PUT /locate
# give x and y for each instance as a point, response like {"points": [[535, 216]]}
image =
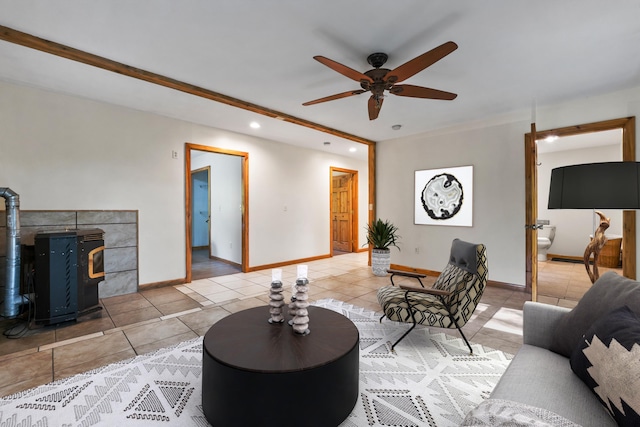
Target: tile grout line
{"points": [[86, 337], [70, 341]]}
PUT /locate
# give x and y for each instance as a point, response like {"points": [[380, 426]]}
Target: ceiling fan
{"points": [[379, 80]]}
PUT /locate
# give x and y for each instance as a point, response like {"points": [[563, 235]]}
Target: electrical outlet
{"points": [[285, 208], [174, 154], [417, 250]]}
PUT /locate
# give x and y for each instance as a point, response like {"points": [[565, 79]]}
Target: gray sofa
{"points": [[539, 377], [543, 381]]}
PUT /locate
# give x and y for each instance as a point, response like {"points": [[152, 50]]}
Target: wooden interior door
{"points": [[342, 212]]}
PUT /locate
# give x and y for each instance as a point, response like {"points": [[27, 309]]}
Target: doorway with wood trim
{"points": [[344, 210], [627, 125], [227, 215]]}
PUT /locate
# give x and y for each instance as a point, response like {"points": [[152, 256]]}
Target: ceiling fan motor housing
{"points": [[379, 84], [378, 59]]}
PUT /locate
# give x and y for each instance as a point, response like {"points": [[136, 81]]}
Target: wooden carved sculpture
{"points": [[595, 246]]}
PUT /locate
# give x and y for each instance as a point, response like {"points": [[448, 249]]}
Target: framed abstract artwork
{"points": [[444, 196]]}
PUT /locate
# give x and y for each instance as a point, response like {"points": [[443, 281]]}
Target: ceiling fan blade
{"points": [[375, 105], [419, 63], [422, 92], [336, 96], [343, 69]]}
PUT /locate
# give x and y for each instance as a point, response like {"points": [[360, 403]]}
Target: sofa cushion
{"points": [[609, 292], [544, 379], [608, 362]]}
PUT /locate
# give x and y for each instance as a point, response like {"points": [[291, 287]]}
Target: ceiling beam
{"points": [[17, 37]]}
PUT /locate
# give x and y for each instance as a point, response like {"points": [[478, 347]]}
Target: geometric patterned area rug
{"points": [[431, 380]]}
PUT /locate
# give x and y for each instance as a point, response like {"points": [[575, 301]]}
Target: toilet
{"points": [[545, 239]]}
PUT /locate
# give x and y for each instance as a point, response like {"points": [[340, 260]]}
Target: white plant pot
{"points": [[380, 261]]}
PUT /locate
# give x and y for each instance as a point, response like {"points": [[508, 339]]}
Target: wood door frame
{"points": [[189, 194], [628, 127], [354, 205], [208, 169]]}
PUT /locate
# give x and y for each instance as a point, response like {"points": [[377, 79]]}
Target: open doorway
{"points": [[201, 209], [344, 211], [627, 126], [216, 208], [563, 234]]}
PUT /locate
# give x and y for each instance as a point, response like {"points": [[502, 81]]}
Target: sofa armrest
{"points": [[539, 323]]}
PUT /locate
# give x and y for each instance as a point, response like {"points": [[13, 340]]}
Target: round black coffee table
{"points": [[258, 374]]}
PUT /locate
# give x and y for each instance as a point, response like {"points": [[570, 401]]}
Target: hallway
{"points": [[203, 267]]}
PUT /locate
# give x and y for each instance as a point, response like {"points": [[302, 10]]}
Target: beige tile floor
{"points": [[135, 324], [564, 283]]}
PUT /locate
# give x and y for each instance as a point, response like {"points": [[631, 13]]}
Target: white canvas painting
{"points": [[444, 196]]}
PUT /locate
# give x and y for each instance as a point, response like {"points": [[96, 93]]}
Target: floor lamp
{"points": [[608, 185]]}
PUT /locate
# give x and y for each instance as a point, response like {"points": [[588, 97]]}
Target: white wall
{"points": [[574, 226], [51, 143], [64, 152], [495, 149], [498, 211]]}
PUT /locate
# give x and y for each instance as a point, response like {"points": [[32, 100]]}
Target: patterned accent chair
{"points": [[452, 299]]}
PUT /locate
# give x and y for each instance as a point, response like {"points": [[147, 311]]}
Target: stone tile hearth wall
{"points": [[120, 241]]}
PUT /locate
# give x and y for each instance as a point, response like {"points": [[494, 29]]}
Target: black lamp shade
{"points": [[608, 185]]}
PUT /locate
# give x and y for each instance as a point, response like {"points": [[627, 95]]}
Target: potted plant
{"points": [[381, 235]]}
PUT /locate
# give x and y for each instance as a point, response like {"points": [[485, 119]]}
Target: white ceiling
{"points": [[511, 54], [581, 141]]}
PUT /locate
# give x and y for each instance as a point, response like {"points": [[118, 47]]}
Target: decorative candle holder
{"points": [[292, 309], [301, 319], [276, 299], [301, 273]]}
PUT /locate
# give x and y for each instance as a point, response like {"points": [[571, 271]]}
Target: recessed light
{"points": [[551, 138], [326, 143], [255, 125], [352, 150], [396, 127]]}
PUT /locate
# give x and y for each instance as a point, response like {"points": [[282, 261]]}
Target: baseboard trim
{"points": [[226, 261], [285, 263], [433, 273], [569, 257], [162, 284]]}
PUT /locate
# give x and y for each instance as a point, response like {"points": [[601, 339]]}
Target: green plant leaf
{"points": [[382, 234]]}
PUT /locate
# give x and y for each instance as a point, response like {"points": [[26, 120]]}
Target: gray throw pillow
{"points": [[609, 292]]}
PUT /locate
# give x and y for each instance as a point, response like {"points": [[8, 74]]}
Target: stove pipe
{"points": [[12, 298]]}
